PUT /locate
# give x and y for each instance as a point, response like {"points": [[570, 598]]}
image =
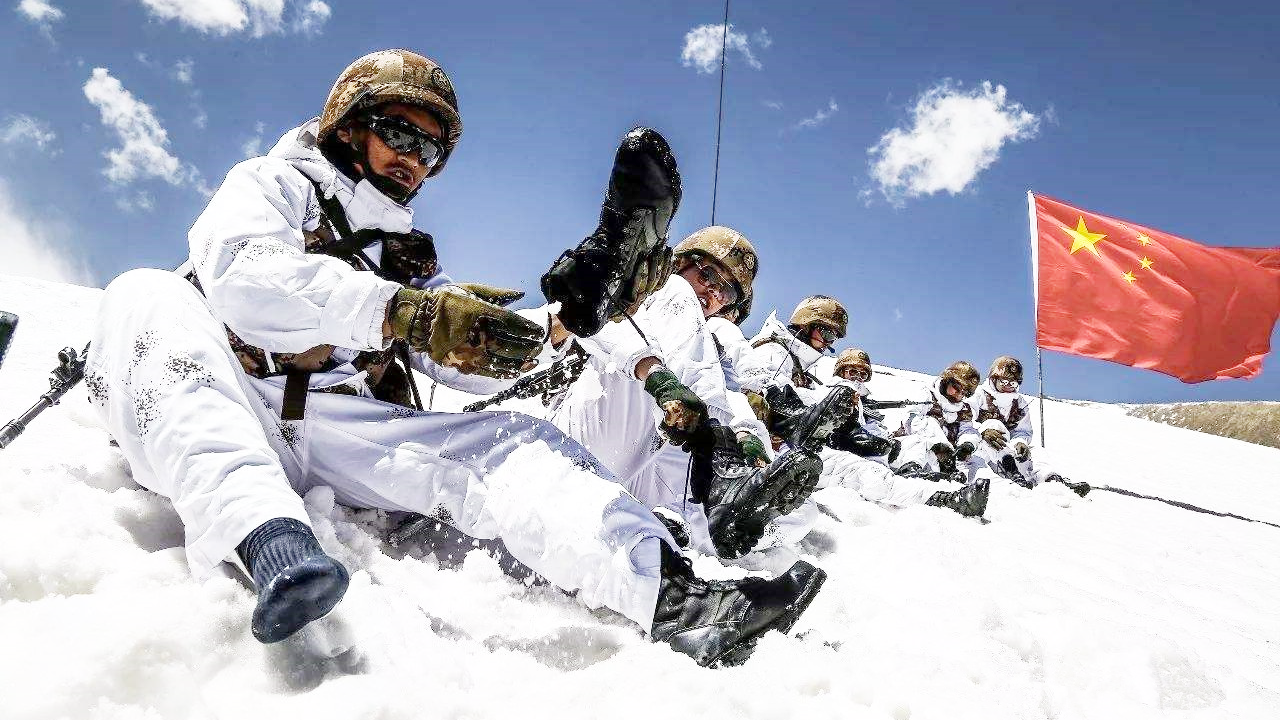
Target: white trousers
{"points": [[196, 429], [875, 482], [1036, 470]]}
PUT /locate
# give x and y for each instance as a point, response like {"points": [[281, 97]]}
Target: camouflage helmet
{"points": [[1006, 366], [389, 76], [964, 374], [853, 358], [734, 252], [821, 310]]}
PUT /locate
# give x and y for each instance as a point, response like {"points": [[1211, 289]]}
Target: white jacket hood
{"points": [[1003, 400], [949, 409], [365, 206]]}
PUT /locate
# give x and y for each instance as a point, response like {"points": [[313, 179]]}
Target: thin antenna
{"points": [[715, 178]]}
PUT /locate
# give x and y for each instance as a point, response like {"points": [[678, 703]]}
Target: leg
{"points": [[161, 374], [493, 475]]}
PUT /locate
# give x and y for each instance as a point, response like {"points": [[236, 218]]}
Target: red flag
{"points": [[1119, 291]]}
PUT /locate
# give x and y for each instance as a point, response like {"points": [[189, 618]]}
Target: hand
{"points": [[964, 451], [1022, 452], [759, 406], [994, 438], [683, 410], [463, 326], [752, 449]]}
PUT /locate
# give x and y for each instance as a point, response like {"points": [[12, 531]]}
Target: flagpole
{"points": [[1035, 295]]}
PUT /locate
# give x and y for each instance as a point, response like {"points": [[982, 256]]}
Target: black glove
{"points": [[752, 450], [994, 438], [409, 256], [946, 457], [626, 259], [964, 451], [463, 326], [684, 410]]}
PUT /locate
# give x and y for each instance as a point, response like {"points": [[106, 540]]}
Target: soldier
{"points": [[1004, 423], [788, 354], [275, 371], [693, 461]]}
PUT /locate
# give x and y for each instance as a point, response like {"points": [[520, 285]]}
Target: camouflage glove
{"points": [[964, 451], [1022, 452], [752, 450], [684, 410], [759, 406], [994, 438], [626, 259], [463, 326]]}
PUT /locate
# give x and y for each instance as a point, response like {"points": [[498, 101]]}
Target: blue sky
{"points": [[1163, 113]]}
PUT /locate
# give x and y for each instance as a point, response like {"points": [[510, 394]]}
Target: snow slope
{"points": [[1107, 607]]}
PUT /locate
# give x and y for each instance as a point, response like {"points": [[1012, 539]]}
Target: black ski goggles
{"points": [[719, 286], [828, 335], [406, 138], [1005, 384]]}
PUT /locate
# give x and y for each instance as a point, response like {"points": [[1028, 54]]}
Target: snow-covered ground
{"points": [[1106, 607]]}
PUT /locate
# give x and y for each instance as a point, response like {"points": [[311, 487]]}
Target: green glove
{"points": [[684, 410], [752, 450], [463, 326], [994, 438]]}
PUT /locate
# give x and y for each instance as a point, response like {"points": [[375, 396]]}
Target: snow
{"points": [[1059, 607]]}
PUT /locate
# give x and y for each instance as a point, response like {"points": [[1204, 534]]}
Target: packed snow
{"points": [[1058, 607]]}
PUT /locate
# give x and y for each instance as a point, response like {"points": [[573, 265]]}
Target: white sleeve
{"points": [[1023, 433], [769, 364], [248, 252], [619, 347]]}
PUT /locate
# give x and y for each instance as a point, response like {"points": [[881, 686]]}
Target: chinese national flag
{"points": [[1119, 291]]}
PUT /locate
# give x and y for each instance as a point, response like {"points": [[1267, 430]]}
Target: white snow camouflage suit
{"points": [[1009, 413], [608, 410], [196, 428]]}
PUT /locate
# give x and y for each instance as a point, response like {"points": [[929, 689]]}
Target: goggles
{"points": [[857, 374], [828, 335], [1005, 384], [406, 138], [711, 279]]}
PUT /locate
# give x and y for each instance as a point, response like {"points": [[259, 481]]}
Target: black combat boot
{"points": [[594, 282], [916, 470], [1079, 488], [853, 438], [296, 581], [809, 427], [719, 622], [741, 500], [1009, 470], [969, 501]]}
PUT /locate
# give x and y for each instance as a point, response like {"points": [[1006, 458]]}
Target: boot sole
{"points": [[835, 409], [301, 594], [785, 485], [741, 652]]}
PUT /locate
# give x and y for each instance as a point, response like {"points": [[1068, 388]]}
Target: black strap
{"points": [[294, 405]]}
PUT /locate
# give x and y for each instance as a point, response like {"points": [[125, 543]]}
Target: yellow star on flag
{"points": [[1130, 277], [1146, 263], [1144, 239], [1082, 238]]}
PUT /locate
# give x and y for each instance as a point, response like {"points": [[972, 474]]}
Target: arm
{"points": [[247, 250]]}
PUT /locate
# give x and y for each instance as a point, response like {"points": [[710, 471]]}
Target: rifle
{"points": [[68, 374], [869, 404], [562, 373]]}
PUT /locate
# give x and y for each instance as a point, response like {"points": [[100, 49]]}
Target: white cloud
{"points": [[256, 17], [702, 47], [40, 12], [954, 135], [311, 18], [26, 130], [140, 201], [201, 118], [818, 118], [772, 104], [762, 39], [253, 146], [182, 71], [144, 144], [897, 314], [32, 248]]}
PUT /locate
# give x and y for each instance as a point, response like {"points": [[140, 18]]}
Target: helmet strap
{"points": [[352, 159]]}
